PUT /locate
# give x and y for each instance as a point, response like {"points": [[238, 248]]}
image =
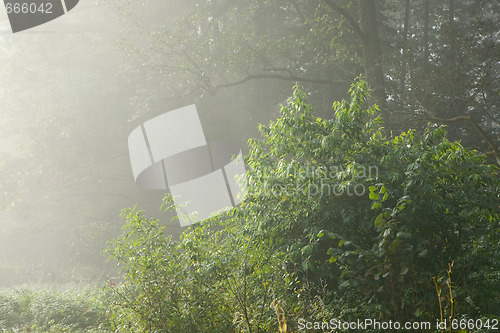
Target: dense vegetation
{"points": [[340, 221], [65, 161], [43, 308]]}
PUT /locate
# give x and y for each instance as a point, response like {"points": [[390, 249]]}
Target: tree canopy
{"points": [[426, 61]]}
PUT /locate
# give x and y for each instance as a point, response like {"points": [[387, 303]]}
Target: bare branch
{"points": [[483, 134], [250, 77], [354, 24]]}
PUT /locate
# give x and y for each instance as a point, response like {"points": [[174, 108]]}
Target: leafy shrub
{"points": [[372, 217], [340, 221], [210, 281]]}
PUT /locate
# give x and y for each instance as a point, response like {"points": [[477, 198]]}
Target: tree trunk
{"points": [[404, 47], [372, 53], [367, 31], [426, 37]]}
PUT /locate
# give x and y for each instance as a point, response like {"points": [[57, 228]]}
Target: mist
{"points": [[335, 84]]}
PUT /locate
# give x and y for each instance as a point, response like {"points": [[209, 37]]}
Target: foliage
{"points": [[210, 281], [440, 58], [375, 218], [43, 309], [340, 221]]}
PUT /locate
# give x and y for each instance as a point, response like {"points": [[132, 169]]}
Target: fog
{"points": [[71, 92], [370, 186], [50, 164], [73, 89], [66, 110]]}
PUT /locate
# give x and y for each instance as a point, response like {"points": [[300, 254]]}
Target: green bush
{"points": [[208, 282], [340, 222], [375, 217]]}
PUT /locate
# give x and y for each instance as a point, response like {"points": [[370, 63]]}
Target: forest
{"points": [[369, 132]]}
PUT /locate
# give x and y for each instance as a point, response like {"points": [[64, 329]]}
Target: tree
{"points": [[366, 29], [340, 221], [448, 52], [409, 52]]}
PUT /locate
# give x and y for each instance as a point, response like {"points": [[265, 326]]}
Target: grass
{"points": [[42, 308]]}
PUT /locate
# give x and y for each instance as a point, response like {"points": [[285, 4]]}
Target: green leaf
{"points": [[379, 221], [307, 250], [345, 284], [403, 235], [395, 244], [423, 253]]}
